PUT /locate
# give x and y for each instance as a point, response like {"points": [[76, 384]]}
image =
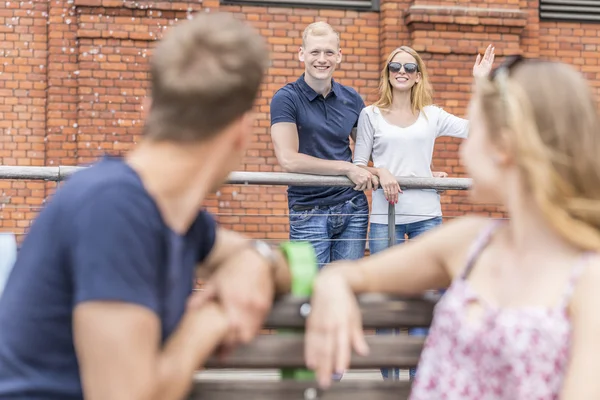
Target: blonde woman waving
{"points": [[398, 132]]}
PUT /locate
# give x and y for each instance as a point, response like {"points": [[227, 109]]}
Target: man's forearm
{"points": [[230, 244], [304, 164], [199, 333], [373, 170], [227, 244]]}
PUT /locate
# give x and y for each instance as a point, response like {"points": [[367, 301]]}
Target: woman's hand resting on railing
{"points": [[333, 328], [390, 185], [440, 174]]}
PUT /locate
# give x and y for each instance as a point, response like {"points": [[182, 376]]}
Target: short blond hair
{"points": [[205, 73], [319, 28]]}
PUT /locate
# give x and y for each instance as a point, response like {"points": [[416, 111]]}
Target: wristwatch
{"points": [[265, 251]]}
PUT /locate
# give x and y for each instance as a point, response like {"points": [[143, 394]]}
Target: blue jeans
{"points": [[337, 232], [378, 242]]}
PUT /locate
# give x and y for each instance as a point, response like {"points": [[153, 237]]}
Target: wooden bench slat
{"points": [[299, 390], [287, 351], [378, 311]]}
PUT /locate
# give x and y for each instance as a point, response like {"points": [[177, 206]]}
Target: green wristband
{"points": [[302, 262]]}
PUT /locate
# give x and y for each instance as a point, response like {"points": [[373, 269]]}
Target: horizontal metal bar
{"points": [[569, 16], [588, 10], [571, 3], [317, 3], [572, 10], [62, 172], [58, 173]]}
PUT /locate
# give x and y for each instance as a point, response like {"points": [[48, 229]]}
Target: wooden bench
{"points": [[286, 350]]}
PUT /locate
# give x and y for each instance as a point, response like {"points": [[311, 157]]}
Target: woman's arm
{"points": [[430, 261], [581, 381], [363, 152], [451, 125], [365, 133], [334, 325]]}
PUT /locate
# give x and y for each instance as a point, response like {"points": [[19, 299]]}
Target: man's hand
{"points": [[376, 182], [244, 286], [362, 178]]}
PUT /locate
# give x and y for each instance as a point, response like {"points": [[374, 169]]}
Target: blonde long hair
{"points": [[544, 114], [420, 94]]}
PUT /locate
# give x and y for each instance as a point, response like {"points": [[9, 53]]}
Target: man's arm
{"points": [[118, 278], [285, 142], [284, 134], [230, 244], [120, 356]]}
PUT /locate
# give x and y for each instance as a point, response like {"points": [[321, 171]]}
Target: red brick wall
{"points": [[73, 74]]}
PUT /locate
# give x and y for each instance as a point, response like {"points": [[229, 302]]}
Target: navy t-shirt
{"points": [[324, 126], [101, 237]]}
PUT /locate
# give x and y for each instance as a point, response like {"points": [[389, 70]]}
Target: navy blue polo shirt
{"points": [[100, 238], [324, 126]]}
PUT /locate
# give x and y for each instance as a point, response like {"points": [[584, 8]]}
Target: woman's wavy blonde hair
{"points": [[420, 94], [544, 114]]}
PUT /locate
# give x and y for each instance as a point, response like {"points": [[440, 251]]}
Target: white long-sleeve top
{"points": [[405, 152]]}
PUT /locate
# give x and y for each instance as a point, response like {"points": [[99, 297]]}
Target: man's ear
{"points": [[244, 131], [301, 54], [145, 107]]}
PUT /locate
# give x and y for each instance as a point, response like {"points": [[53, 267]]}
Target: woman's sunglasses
{"points": [[409, 68]]}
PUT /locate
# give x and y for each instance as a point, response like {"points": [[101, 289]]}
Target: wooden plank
{"points": [[287, 351], [378, 311], [300, 390]]}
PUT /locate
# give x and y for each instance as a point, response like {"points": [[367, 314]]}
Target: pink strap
{"points": [[576, 272], [481, 241]]}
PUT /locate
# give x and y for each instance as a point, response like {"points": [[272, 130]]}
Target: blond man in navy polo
{"points": [[312, 120]]}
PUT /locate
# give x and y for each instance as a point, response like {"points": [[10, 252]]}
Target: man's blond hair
{"points": [[319, 28], [205, 73]]}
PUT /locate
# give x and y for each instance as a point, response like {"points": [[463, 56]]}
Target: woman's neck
{"points": [[401, 102]]}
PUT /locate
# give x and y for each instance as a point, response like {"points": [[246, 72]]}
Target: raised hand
{"points": [[483, 65]]}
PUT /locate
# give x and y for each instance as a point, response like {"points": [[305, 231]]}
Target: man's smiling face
{"points": [[320, 54]]}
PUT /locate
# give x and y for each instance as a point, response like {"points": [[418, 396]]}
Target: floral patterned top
{"points": [[504, 354]]}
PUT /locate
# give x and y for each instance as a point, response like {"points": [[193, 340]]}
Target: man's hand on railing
{"points": [[363, 179], [333, 328]]}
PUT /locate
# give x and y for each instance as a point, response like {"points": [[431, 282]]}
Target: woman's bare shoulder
{"points": [[455, 238]]}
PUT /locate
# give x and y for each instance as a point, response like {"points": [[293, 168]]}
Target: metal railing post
{"points": [[391, 225]]}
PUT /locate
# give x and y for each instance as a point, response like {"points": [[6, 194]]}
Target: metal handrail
{"points": [[60, 173]]}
